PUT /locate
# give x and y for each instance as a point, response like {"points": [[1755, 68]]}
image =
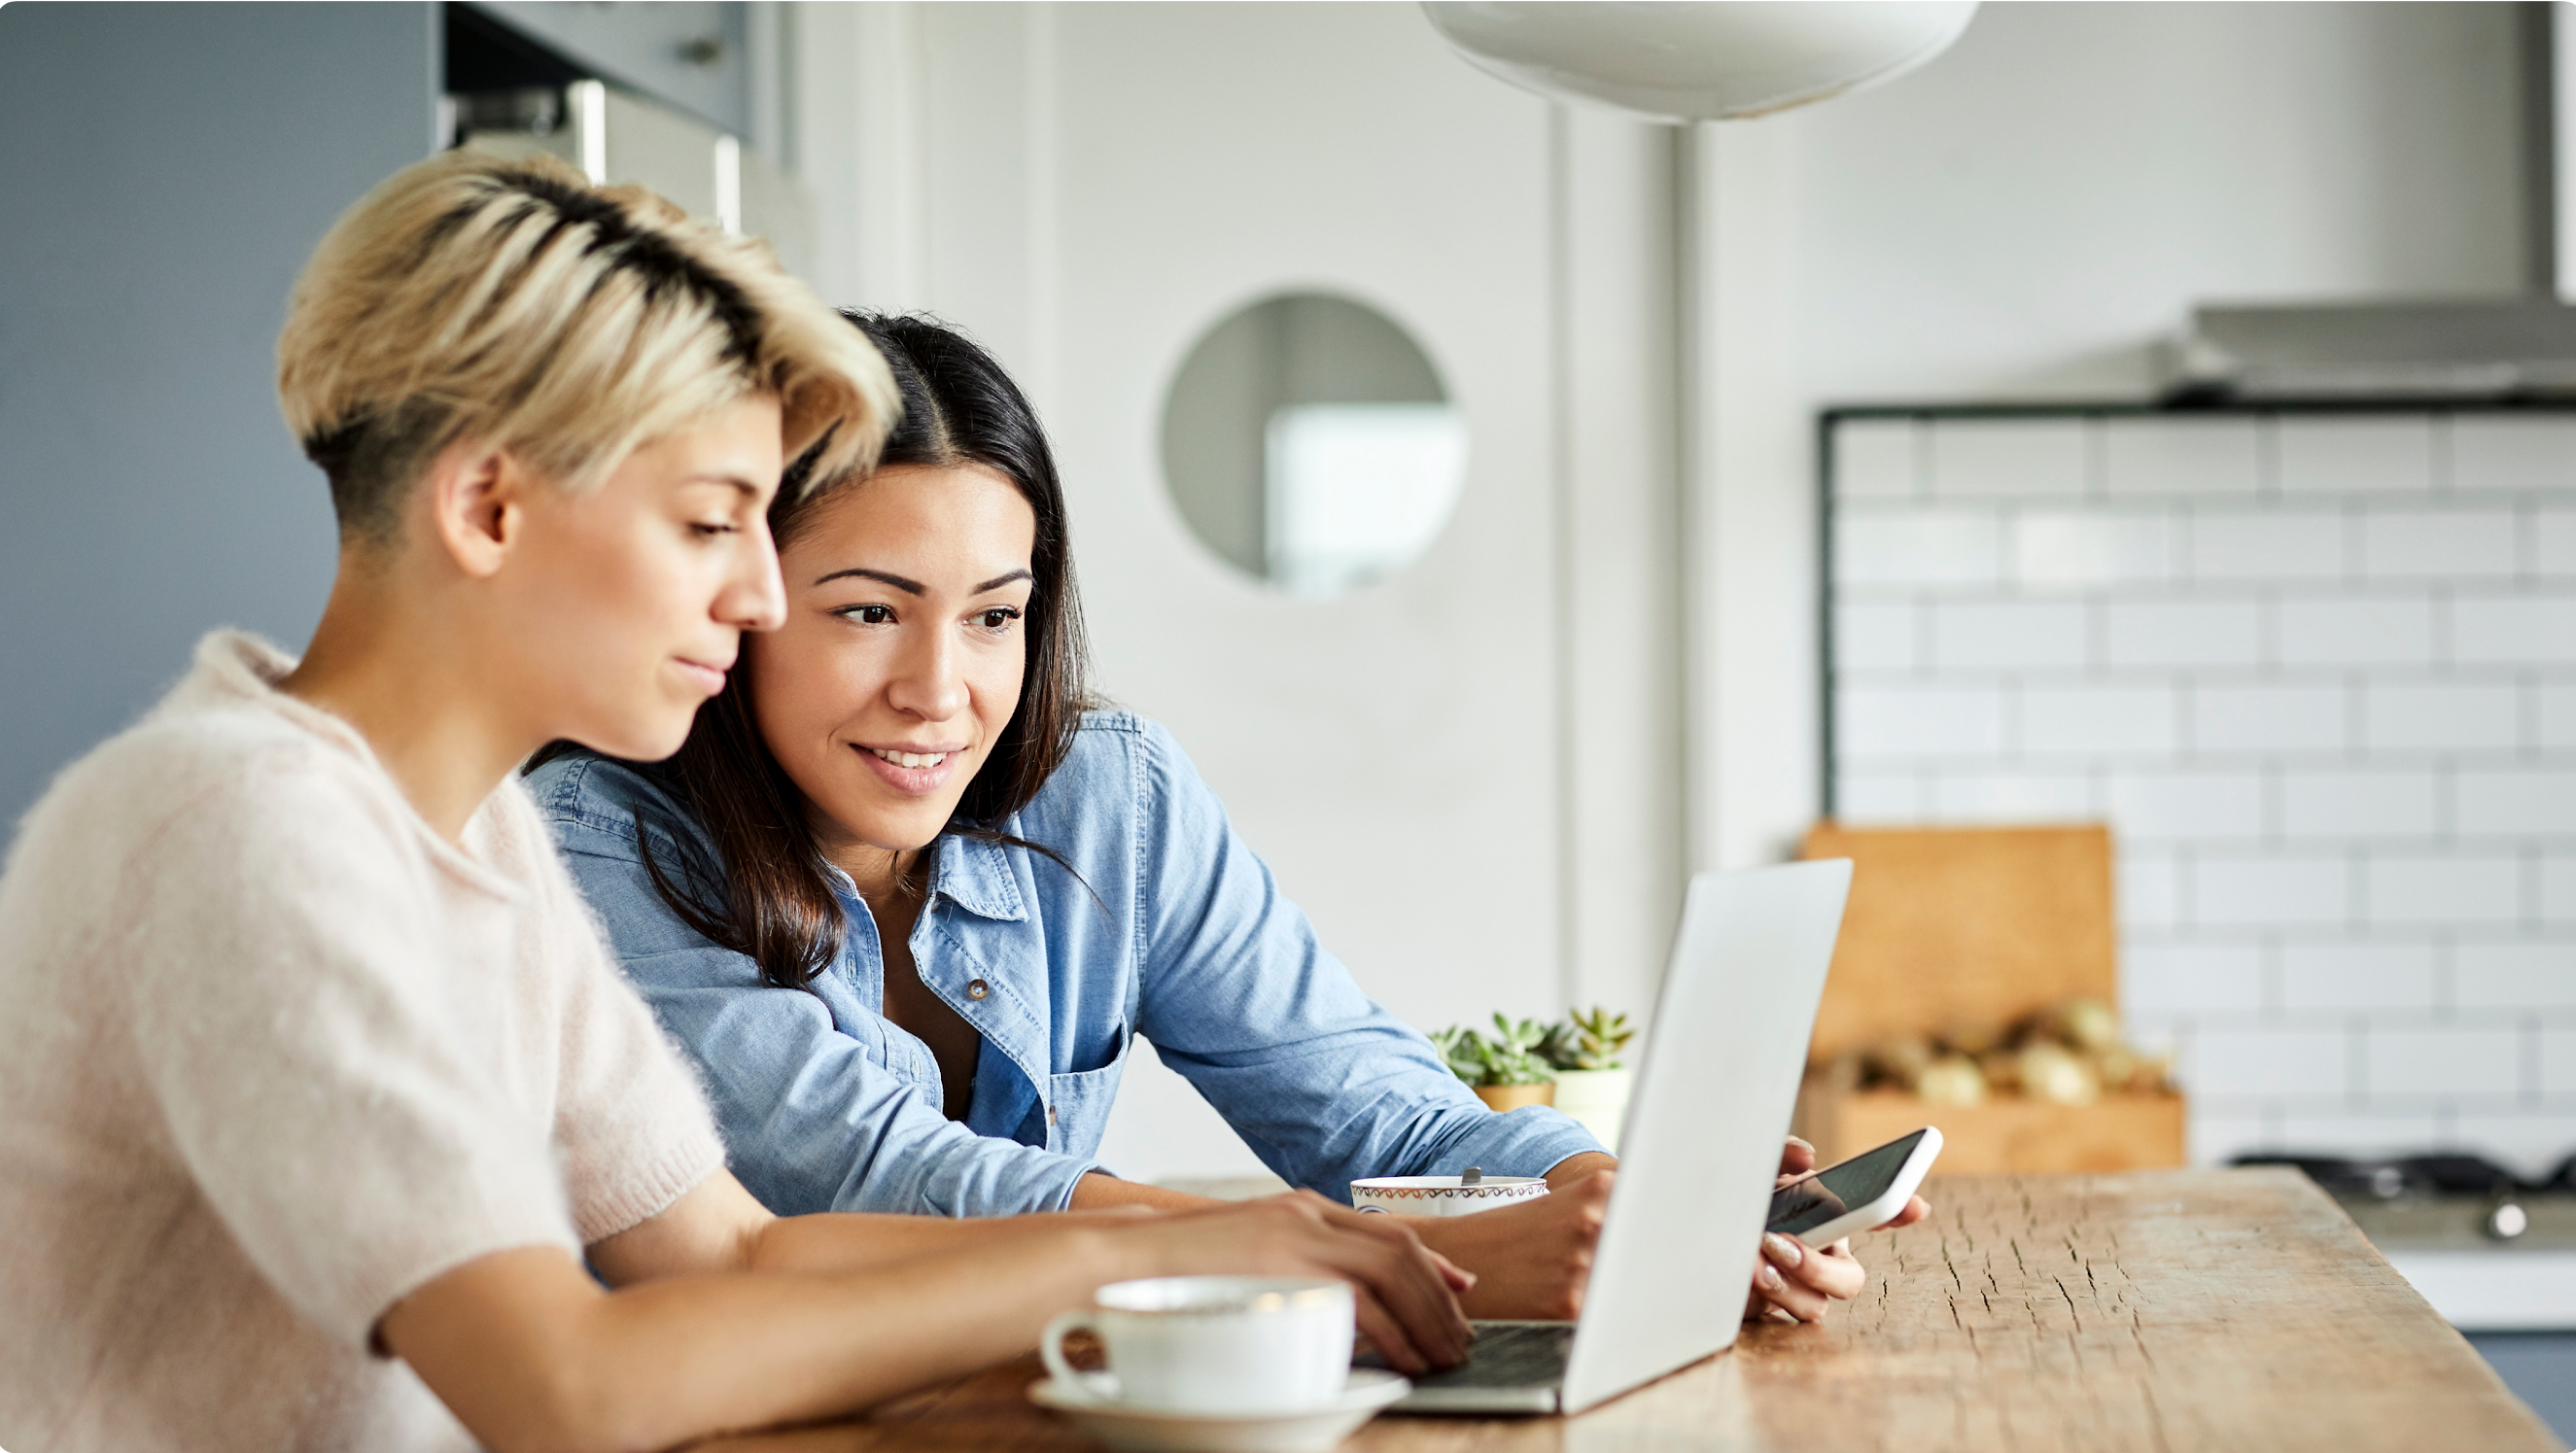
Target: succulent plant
{"points": [[1581, 1041], [1508, 1057]]}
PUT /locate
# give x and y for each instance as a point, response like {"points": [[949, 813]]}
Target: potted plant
{"points": [[1504, 1070], [1588, 1053]]}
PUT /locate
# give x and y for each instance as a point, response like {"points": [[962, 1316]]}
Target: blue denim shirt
{"points": [[1180, 935]]}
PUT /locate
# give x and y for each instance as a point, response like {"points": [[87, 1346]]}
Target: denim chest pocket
{"points": [[1078, 1103]]}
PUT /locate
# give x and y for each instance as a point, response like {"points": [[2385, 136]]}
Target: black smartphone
{"points": [[1857, 1194]]}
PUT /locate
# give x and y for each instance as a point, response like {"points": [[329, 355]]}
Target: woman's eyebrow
{"points": [[998, 581], [908, 587]]}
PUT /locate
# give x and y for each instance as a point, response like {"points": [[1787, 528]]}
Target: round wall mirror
{"points": [[1307, 440]]}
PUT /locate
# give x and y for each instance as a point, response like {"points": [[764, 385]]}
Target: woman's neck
{"points": [[883, 876], [420, 697]]}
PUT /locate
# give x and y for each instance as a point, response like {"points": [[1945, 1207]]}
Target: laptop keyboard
{"points": [[1506, 1354]]}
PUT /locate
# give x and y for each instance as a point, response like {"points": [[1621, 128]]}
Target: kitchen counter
{"points": [[2161, 1311]]}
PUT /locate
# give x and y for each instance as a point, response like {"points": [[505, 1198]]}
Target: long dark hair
{"points": [[766, 892]]}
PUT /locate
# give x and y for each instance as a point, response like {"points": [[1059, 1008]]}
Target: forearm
{"points": [[1575, 1167], [840, 1242], [1097, 1192], [567, 1365]]}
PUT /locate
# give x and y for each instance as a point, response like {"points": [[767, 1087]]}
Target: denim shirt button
{"points": [[977, 989]]}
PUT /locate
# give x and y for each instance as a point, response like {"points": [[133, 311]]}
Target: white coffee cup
{"points": [[1444, 1195], [1213, 1344]]}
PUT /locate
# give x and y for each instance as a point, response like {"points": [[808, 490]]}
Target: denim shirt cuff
{"points": [[1526, 1142]]}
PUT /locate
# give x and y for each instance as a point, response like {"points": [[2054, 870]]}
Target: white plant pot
{"points": [[1596, 1099]]}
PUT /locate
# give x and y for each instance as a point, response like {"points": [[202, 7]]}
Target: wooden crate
{"points": [[1953, 927], [2123, 1132]]}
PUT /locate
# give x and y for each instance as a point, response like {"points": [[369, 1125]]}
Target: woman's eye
{"points": [[999, 618], [706, 531], [870, 615]]}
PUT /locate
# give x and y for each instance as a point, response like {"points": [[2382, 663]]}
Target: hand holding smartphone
{"points": [[1867, 1190]]}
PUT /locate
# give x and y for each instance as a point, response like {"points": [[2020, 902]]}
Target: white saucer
{"points": [[1167, 1430]]}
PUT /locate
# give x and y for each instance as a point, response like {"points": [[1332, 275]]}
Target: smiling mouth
{"points": [[913, 760]]}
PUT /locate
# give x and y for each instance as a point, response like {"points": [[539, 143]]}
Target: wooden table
{"points": [[2160, 1311]]}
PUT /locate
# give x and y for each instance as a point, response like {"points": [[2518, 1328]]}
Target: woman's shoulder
{"points": [[593, 803]]}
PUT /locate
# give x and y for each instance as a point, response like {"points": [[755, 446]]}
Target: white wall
{"points": [[1629, 599], [2023, 218]]}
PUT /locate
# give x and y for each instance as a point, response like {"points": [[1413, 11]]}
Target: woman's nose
{"points": [[755, 599], [927, 684]]}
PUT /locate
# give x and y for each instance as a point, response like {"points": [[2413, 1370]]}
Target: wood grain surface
{"points": [[2162, 1312]]}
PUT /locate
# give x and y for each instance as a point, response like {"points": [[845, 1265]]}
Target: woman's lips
{"points": [[709, 679], [930, 770]]}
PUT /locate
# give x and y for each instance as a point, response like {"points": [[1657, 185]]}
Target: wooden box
{"points": [[1964, 927]]}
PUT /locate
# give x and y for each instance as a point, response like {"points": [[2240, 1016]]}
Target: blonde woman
{"points": [[327, 1121]]}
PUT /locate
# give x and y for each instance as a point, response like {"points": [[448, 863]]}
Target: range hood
{"points": [[2508, 348]]}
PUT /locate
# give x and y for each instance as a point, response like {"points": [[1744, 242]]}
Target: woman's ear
{"points": [[476, 496]]}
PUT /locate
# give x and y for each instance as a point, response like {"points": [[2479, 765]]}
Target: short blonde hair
{"points": [[512, 301]]}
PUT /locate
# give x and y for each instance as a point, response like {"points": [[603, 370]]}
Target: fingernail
{"points": [[1784, 1248], [1768, 1278], [1802, 1145]]}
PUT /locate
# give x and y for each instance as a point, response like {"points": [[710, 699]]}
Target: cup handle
{"points": [[1051, 1349]]}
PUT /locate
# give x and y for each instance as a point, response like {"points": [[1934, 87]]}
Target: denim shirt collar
{"points": [[976, 876]]}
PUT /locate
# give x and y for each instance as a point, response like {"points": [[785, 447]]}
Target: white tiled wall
{"points": [[2318, 671]]}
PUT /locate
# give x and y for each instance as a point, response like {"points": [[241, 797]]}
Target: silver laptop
{"points": [[1696, 1157]]}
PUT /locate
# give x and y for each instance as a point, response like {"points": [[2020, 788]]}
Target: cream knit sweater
{"points": [[275, 1056]]}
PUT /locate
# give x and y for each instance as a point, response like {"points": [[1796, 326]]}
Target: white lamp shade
{"points": [[1698, 60]]}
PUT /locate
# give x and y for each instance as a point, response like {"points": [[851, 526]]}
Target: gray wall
{"points": [[167, 168]]}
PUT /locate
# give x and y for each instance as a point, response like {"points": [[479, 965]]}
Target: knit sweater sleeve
{"points": [[326, 1080]]}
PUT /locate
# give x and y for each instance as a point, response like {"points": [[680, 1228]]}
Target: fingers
{"points": [[1797, 1158], [1386, 1334], [1804, 1282], [1410, 1285], [1915, 1210]]}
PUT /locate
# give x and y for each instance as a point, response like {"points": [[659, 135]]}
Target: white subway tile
{"points": [[2097, 720], [2440, 716], [2508, 453], [2558, 890], [2557, 717], [2269, 892], [2357, 630], [2453, 544], [2356, 1132], [2019, 457], [2514, 630], [2283, 718], [1874, 458], [2217, 1138], [2380, 802], [1917, 547], [2412, 889], [2149, 889], [2357, 976], [2008, 635], [1874, 636], [2183, 806], [2267, 1062], [2531, 1144], [2331, 454], [1888, 721], [2520, 974], [2058, 551], [2553, 537], [2271, 545], [2534, 802], [2184, 633], [2026, 797], [2192, 978], [1879, 799], [2558, 1063], [2417, 1061], [2220, 455]]}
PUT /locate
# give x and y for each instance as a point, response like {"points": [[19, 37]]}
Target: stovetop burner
{"points": [[2439, 1195]]}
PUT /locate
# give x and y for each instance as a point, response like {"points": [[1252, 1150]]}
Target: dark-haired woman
{"points": [[908, 901]]}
